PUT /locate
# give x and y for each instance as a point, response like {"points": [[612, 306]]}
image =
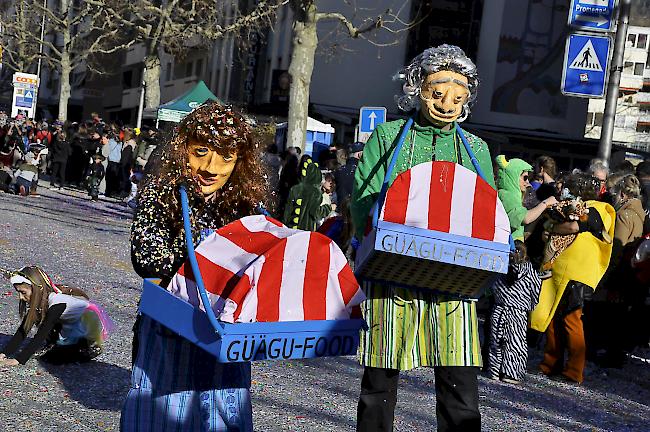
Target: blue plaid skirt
{"points": [[176, 386]]}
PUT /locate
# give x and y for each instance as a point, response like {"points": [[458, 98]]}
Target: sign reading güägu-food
{"points": [[441, 227], [438, 248], [289, 346]]}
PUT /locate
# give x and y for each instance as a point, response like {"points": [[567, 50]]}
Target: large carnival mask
{"points": [[443, 96], [211, 169]]}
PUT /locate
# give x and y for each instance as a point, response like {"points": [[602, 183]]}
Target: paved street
{"points": [[85, 244]]}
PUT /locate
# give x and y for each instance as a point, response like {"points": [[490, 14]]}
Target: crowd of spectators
{"points": [[103, 158], [554, 217], [588, 234]]}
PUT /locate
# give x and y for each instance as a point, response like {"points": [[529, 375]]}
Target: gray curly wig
{"points": [[432, 60]]}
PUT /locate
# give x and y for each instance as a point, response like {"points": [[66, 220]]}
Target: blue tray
{"points": [[250, 341]]}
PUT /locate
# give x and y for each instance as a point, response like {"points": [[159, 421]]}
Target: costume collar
{"points": [[428, 128]]}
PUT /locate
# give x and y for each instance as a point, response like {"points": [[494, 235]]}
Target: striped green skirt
{"points": [[409, 328]]}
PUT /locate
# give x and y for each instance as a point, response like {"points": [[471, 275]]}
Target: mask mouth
{"points": [[208, 180], [439, 112]]}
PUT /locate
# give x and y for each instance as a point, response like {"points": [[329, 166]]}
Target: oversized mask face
{"points": [[211, 170], [442, 97]]}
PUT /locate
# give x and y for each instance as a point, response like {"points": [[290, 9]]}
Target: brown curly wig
{"points": [[227, 132]]}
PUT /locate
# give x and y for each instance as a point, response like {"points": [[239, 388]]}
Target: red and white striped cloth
{"points": [[447, 197], [258, 270]]}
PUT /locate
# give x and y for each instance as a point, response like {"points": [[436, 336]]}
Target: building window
{"points": [[598, 119], [638, 69], [127, 79], [188, 69], [631, 38], [643, 128], [168, 72], [199, 67], [628, 68], [590, 119], [642, 41], [619, 121]]}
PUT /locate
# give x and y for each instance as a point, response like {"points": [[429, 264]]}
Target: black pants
{"points": [[456, 399], [58, 173], [113, 178]]}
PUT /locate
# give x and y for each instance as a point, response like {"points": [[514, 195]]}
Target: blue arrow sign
{"points": [[370, 117], [594, 15], [586, 65]]}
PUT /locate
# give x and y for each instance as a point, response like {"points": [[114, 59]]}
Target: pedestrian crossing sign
{"points": [[586, 65]]}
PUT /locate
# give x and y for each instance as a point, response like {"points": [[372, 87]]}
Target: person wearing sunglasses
{"points": [[513, 179]]}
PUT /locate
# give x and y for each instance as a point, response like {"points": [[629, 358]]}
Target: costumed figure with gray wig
{"points": [[415, 328]]}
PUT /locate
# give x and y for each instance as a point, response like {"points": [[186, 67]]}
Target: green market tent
{"points": [[176, 109]]}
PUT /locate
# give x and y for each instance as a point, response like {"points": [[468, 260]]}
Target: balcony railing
{"points": [[643, 97]]}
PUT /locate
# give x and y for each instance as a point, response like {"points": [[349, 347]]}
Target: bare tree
{"points": [[19, 23], [305, 42], [176, 26], [76, 32]]}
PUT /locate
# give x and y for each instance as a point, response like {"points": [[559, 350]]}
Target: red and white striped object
{"points": [[257, 270], [447, 197]]}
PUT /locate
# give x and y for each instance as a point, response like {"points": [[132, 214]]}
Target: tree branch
{"points": [[353, 31]]}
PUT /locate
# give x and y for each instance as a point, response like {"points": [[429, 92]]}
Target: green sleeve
{"points": [[514, 209], [368, 179]]}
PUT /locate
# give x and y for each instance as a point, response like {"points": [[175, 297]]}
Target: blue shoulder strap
{"points": [[393, 162], [389, 172], [189, 243], [478, 169]]}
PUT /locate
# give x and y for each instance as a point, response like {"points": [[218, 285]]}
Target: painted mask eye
{"points": [[437, 94], [228, 158], [201, 151]]}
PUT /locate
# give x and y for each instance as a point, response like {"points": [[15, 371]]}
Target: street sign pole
{"points": [[369, 118], [607, 131]]}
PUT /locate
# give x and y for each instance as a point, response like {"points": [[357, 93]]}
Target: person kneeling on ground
{"points": [[72, 328], [26, 174]]}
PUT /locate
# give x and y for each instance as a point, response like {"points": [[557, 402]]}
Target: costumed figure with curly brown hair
{"points": [[176, 385]]}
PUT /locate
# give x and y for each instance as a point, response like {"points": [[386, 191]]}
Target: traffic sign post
{"points": [[586, 65], [25, 91], [369, 118], [592, 15]]}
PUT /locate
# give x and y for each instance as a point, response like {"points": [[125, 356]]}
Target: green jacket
{"points": [[510, 193], [417, 149], [412, 328]]}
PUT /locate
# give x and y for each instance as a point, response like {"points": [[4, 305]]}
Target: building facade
{"points": [[632, 123]]}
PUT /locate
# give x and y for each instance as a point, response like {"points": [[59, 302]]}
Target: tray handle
{"points": [[189, 243]]}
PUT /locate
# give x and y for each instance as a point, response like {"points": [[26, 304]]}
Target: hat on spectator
{"points": [[356, 147]]}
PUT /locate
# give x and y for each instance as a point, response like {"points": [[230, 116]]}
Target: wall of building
{"points": [[350, 73], [520, 62], [632, 123]]}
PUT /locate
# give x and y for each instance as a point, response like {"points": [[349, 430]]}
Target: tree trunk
{"points": [[305, 41], [151, 79], [66, 63], [64, 85]]}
